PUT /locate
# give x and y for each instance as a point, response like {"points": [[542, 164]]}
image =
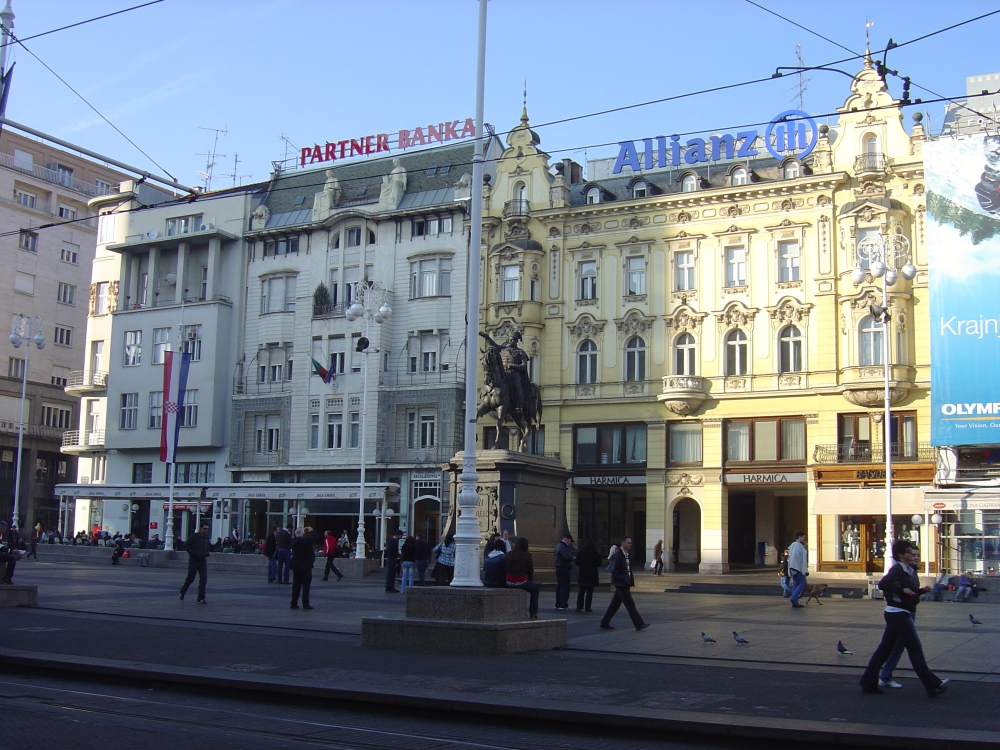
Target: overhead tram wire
{"points": [[229, 192], [81, 23], [888, 48], [96, 110]]}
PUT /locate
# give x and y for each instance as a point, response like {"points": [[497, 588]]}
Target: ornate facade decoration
{"points": [[683, 394], [113, 295], [92, 300], [684, 481], [736, 314], [870, 398], [684, 319], [634, 323], [505, 330], [866, 298], [789, 311], [586, 327]]}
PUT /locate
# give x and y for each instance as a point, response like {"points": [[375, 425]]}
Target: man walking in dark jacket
{"points": [[303, 557], [270, 547], [283, 553], [565, 554], [391, 561], [197, 549], [623, 581]]}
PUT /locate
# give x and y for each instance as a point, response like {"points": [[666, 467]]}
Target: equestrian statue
{"points": [[508, 392]]}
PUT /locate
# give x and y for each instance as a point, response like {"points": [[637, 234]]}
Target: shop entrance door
{"points": [[742, 528]]}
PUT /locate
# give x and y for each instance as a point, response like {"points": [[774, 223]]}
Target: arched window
{"points": [[689, 184], [594, 195], [739, 176], [635, 359], [639, 190], [871, 143], [736, 352], [586, 364], [684, 352], [790, 349], [520, 192], [371, 237], [791, 170], [870, 341]]}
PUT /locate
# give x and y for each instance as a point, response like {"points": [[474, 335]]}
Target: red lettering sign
{"points": [[153, 525], [367, 145], [939, 506]]}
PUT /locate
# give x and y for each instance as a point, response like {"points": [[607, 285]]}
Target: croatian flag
{"points": [[175, 375]]}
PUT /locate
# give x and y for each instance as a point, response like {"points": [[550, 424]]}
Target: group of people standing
{"points": [[409, 558]]}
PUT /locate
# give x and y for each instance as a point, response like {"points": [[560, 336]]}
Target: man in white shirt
{"points": [[798, 567]]}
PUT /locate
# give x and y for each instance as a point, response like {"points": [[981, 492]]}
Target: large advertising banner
{"points": [[963, 243]]}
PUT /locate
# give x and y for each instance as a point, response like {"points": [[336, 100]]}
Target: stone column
{"points": [[214, 257], [181, 285], [153, 285]]}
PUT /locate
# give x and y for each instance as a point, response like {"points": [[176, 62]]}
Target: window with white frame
{"points": [[684, 355], [689, 184], [421, 428], [738, 176], [128, 416], [736, 266], [593, 196], [15, 367], [155, 410], [788, 258], [314, 431], [870, 341], [193, 472], [97, 356], [28, 241], [26, 199], [24, 283], [684, 442], [790, 349], [69, 253], [334, 431], [267, 433], [107, 227], [588, 280], [102, 187], [67, 212], [101, 298], [161, 337], [510, 289], [865, 237], [355, 431], [586, 362], [183, 225], [204, 283], [791, 170], [337, 360], [277, 294], [684, 271], [56, 416], [428, 361], [635, 276], [639, 190], [354, 237], [635, 359], [430, 277], [66, 293], [736, 352], [189, 414], [133, 349], [191, 341], [63, 336]]}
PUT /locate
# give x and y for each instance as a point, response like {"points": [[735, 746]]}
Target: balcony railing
{"points": [[87, 379], [872, 453], [239, 457], [253, 387], [515, 208], [80, 439], [870, 162], [328, 311], [56, 178], [32, 430]]}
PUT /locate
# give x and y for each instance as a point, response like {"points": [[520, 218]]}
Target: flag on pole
{"points": [[323, 373], [175, 374]]}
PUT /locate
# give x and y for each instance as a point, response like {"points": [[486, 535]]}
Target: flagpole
{"points": [[169, 543]]}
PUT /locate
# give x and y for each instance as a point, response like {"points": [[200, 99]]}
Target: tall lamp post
{"points": [[20, 332], [888, 258], [371, 303]]}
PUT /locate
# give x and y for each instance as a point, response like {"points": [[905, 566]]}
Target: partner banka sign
{"points": [[792, 133], [379, 143]]}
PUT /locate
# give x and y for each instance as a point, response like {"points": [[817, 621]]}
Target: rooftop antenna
{"points": [[288, 145], [801, 86], [211, 156], [234, 176]]}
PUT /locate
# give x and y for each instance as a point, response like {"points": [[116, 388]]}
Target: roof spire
{"points": [[868, 46], [524, 108]]}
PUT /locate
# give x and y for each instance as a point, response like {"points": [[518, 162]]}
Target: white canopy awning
{"points": [[252, 491]]}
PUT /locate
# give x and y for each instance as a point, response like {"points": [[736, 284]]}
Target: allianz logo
{"points": [[951, 410]]}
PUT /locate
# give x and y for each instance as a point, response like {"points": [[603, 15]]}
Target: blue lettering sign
{"points": [[792, 130]]}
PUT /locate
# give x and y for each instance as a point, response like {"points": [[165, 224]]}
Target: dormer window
{"points": [[739, 176], [594, 195], [791, 170], [639, 190], [689, 184]]}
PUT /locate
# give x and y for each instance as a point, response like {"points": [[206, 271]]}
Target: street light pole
{"points": [[20, 331], [371, 304], [888, 257], [467, 536]]}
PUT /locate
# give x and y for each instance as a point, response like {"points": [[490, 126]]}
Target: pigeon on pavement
{"points": [[974, 621], [707, 638], [842, 650], [740, 639]]}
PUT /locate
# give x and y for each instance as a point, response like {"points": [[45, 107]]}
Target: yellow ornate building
{"points": [[710, 372]]}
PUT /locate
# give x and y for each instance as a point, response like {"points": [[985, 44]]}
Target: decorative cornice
{"points": [[586, 327]]}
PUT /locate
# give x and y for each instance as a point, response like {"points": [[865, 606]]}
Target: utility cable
{"points": [[81, 23]]}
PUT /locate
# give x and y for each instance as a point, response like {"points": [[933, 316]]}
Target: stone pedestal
{"points": [[18, 596], [469, 621]]}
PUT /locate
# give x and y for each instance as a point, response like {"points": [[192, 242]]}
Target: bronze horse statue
{"points": [[497, 397]]}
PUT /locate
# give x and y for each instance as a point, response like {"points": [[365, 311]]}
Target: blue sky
{"points": [[314, 70]]}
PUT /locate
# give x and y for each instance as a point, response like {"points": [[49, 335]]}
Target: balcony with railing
{"points": [[873, 453], [253, 458], [683, 394], [32, 430], [56, 178], [80, 382], [79, 441], [515, 209], [252, 386], [870, 163], [327, 311]]}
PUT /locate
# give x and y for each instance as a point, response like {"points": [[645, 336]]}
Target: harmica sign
{"points": [[792, 133]]}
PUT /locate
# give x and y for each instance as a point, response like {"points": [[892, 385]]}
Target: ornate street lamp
{"points": [[371, 303], [887, 257], [20, 331]]}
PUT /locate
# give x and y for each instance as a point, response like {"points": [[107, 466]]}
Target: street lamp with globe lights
{"points": [[888, 258], [371, 304], [20, 332]]}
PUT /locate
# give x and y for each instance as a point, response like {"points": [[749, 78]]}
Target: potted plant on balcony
{"points": [[321, 299]]}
